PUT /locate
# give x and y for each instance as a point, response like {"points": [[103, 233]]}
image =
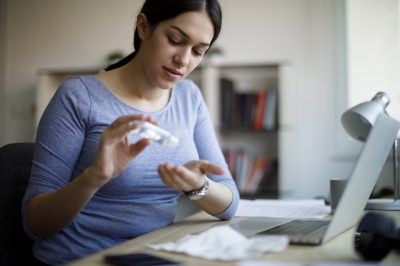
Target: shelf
{"points": [[226, 130], [261, 143]]}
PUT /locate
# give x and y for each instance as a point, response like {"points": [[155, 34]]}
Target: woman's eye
{"points": [[198, 53], [174, 41]]}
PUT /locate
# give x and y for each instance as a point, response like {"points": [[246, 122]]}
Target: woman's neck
{"points": [[128, 84]]}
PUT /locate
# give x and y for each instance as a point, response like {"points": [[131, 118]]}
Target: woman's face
{"points": [[175, 48]]}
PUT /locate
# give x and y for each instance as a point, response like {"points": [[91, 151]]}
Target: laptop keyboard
{"points": [[300, 231]]}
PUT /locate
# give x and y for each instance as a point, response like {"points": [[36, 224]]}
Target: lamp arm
{"points": [[395, 172]]}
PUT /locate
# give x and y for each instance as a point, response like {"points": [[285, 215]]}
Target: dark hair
{"points": [[157, 11]]}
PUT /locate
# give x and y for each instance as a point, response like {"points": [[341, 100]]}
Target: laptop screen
{"points": [[364, 175]]}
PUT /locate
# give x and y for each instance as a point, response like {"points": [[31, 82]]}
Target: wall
{"points": [[374, 51], [57, 34], [301, 33]]}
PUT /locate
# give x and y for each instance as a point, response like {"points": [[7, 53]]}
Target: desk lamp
{"points": [[358, 122]]}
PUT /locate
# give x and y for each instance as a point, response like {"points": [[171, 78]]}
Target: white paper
{"points": [[292, 202], [224, 243], [296, 209]]}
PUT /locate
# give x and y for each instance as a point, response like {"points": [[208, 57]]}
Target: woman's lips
{"points": [[172, 74]]}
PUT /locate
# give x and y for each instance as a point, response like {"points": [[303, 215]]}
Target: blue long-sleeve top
{"points": [[137, 201]]}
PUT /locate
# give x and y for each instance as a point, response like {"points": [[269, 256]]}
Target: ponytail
{"points": [[121, 62]]}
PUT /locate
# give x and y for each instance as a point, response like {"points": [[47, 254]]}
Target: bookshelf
{"points": [[243, 102]]}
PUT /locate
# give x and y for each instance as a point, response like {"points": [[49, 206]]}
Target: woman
{"points": [[92, 186]]}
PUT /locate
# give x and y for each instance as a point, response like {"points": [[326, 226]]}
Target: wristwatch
{"points": [[199, 193]]}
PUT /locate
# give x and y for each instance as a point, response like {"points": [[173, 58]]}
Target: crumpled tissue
{"points": [[224, 243]]}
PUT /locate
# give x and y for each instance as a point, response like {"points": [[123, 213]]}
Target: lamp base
{"points": [[383, 205]]}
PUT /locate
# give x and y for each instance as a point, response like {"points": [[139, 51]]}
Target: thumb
{"points": [[139, 146], [211, 168]]}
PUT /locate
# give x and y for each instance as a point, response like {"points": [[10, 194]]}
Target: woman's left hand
{"points": [[187, 177]]}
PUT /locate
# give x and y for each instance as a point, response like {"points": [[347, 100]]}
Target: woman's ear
{"points": [[142, 26]]}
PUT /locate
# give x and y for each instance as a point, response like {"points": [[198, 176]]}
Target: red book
{"points": [[259, 169], [261, 97]]}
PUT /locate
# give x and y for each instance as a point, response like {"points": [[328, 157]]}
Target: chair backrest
{"points": [[15, 167]]}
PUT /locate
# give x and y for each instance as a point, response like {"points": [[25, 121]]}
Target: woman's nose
{"points": [[182, 57]]}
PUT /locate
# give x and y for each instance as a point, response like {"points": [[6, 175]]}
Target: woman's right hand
{"points": [[115, 152], [45, 217]]}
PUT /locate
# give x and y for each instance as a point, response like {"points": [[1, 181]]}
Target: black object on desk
{"points": [[139, 259]]}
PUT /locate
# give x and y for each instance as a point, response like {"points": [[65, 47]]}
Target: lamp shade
{"points": [[358, 120]]}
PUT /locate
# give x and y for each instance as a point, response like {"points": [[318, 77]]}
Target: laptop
{"points": [[352, 202]]}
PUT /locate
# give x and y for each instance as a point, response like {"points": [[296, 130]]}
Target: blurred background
{"points": [[339, 52]]}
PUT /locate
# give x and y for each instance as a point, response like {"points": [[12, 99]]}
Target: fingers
{"points": [[138, 147], [179, 177], [124, 124], [188, 177], [211, 168]]}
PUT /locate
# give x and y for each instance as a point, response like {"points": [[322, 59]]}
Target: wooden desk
{"points": [[339, 249]]}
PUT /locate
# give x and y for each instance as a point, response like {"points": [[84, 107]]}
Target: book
{"points": [[270, 110], [227, 101], [246, 109], [230, 161], [259, 109], [247, 161], [252, 174], [259, 168]]}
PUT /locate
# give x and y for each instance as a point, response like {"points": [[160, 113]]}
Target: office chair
{"points": [[15, 167]]}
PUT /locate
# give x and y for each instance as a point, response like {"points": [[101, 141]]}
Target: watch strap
{"points": [[199, 193]]}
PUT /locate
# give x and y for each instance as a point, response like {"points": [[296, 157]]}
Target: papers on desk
{"points": [[296, 209], [224, 243]]}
